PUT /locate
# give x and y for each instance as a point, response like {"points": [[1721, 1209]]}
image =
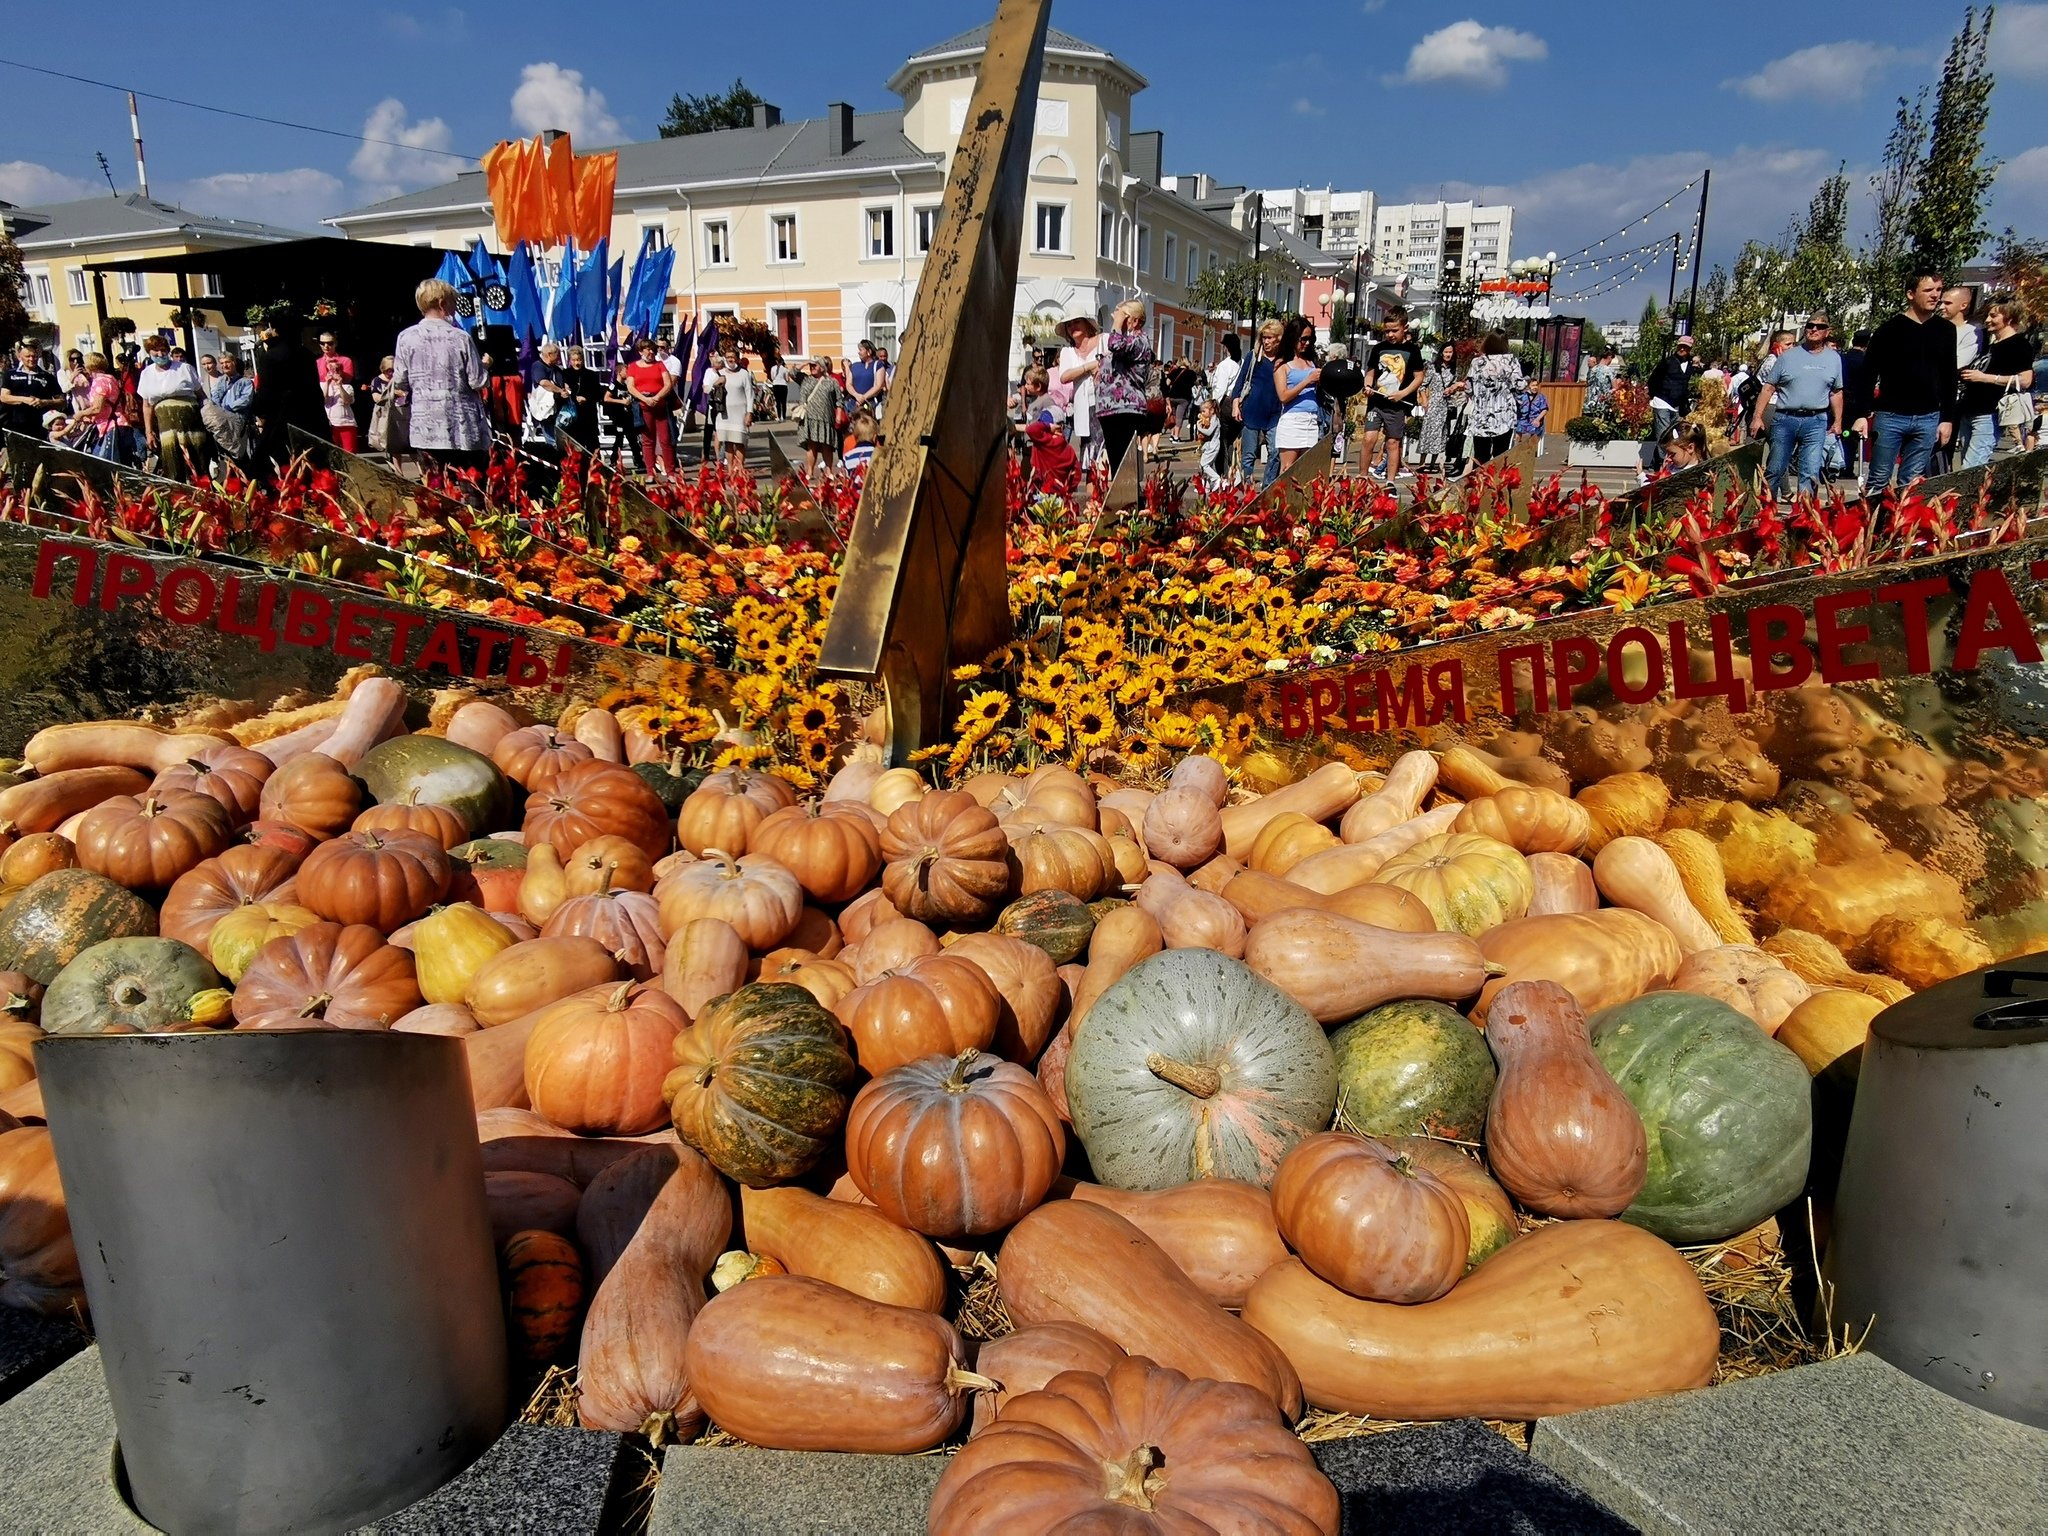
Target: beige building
{"points": [[820, 227]]}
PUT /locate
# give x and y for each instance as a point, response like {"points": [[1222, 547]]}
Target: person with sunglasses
{"points": [[1805, 384]]}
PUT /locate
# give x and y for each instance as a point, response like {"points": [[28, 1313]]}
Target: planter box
{"points": [[1617, 454]]}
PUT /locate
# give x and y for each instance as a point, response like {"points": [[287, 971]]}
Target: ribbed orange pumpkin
{"points": [[607, 863], [723, 811], [536, 755], [947, 859], [759, 897], [954, 1146], [444, 824], [1061, 858], [832, 847], [233, 775], [935, 1005], [1029, 986], [314, 793], [628, 923], [327, 977], [543, 1294], [243, 876], [597, 799], [1368, 1220], [595, 1060], [147, 844], [383, 879]]}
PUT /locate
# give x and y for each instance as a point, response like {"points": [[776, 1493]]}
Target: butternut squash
{"points": [[854, 1247], [375, 710], [1561, 1136], [45, 804], [480, 725], [1219, 1231], [1119, 942], [1564, 883], [114, 744], [1192, 919], [616, 1199], [1337, 968], [795, 1364], [1577, 1315], [706, 960], [1469, 773], [598, 729], [311, 737], [528, 976], [1634, 872], [1076, 1262], [1399, 799], [1601, 958], [1706, 884], [1338, 869], [1330, 791], [1286, 840], [632, 1373], [1259, 896], [1215, 874], [497, 1064]]}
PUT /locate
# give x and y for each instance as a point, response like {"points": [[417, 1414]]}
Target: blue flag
{"points": [[562, 307], [493, 297], [527, 315], [590, 315], [457, 276], [636, 290], [707, 348], [614, 291]]}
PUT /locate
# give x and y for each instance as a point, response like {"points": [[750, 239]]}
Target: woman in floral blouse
{"points": [[1440, 386], [437, 365], [1496, 382], [1120, 385]]}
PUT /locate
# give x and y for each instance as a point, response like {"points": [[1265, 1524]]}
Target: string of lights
{"points": [[1631, 226], [1595, 263], [1648, 259]]}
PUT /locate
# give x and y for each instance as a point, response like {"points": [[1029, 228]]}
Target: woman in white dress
{"points": [[1080, 361], [738, 410]]}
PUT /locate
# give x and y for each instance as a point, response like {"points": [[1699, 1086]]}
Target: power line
{"points": [[248, 117]]}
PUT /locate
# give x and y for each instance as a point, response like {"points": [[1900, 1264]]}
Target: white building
{"points": [[1322, 217], [1429, 242]]}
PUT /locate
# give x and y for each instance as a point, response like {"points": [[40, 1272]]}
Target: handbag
{"points": [[2015, 407]]}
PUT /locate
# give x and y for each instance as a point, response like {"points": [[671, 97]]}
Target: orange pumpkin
{"points": [[238, 938], [832, 847], [890, 946], [759, 897], [38, 1262], [238, 877], [826, 980], [327, 977], [147, 844], [1029, 989], [628, 923], [954, 1146], [543, 1294], [442, 823], [384, 879], [862, 914], [947, 859], [607, 863], [536, 755], [1528, 819], [1061, 858], [723, 811], [595, 1060], [232, 775], [934, 1005], [1370, 1221], [592, 800], [314, 793]]}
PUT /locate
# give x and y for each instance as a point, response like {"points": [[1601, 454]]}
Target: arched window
{"points": [[882, 328], [1053, 166]]}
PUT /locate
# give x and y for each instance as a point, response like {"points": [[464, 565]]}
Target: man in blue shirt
{"points": [[1805, 383]]}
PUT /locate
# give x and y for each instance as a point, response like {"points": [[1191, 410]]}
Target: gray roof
{"points": [[111, 220], [1310, 258], [975, 39], [761, 156]]}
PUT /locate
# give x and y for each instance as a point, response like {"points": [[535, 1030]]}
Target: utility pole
{"points": [[1699, 247], [135, 127]]}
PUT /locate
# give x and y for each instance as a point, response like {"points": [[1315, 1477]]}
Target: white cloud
{"points": [[1307, 108], [296, 199], [1465, 53], [2020, 195], [1826, 72], [2028, 170], [2020, 40], [23, 182], [550, 96], [400, 161]]}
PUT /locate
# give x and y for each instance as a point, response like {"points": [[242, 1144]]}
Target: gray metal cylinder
{"points": [[1940, 1240], [289, 1265]]}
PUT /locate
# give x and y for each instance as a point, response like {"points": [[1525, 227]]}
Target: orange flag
{"points": [[529, 196], [597, 178], [561, 191], [501, 174]]}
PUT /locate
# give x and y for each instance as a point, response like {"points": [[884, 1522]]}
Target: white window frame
{"points": [[1143, 259], [886, 212], [1105, 233], [802, 311], [1171, 257], [78, 286], [37, 291], [134, 285], [718, 251], [778, 255], [924, 228], [1113, 129], [1065, 209], [1165, 344], [660, 233], [209, 286]]}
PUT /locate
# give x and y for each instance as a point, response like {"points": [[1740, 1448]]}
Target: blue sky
{"points": [[1583, 115]]}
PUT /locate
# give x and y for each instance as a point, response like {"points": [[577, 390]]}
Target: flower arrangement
{"points": [[1624, 416]]}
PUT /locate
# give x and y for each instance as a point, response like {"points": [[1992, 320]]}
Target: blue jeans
{"points": [[1807, 436], [1249, 444], [1976, 436], [1904, 443]]}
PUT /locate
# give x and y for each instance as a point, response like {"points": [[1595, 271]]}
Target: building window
{"points": [[209, 285], [789, 330], [882, 329], [881, 232], [1171, 252], [782, 237], [653, 237], [77, 286], [1113, 130], [925, 230], [37, 293], [1144, 248], [1105, 234], [1164, 347], [1123, 240], [134, 285], [1050, 229], [718, 244]]}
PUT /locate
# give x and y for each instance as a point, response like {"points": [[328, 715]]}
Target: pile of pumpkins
{"points": [[1251, 1104]]}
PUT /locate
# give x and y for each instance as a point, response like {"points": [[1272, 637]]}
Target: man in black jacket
{"points": [[1670, 395], [1910, 371]]}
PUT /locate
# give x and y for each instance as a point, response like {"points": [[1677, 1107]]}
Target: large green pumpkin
{"points": [[1193, 1067], [61, 915], [490, 853], [671, 781], [1413, 1068], [1727, 1110], [128, 987], [1058, 922], [443, 773], [761, 1085]]}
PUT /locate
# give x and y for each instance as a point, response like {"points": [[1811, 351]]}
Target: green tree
{"points": [[1232, 289], [1946, 224], [2023, 271], [704, 114], [1652, 341], [1820, 270], [1887, 256], [14, 318]]}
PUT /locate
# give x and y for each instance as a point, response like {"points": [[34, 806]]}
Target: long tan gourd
{"points": [[1330, 791], [1399, 799], [1259, 896], [1192, 919], [45, 804], [1634, 872], [631, 1372], [1601, 958], [1338, 869], [1286, 840], [1337, 968], [1706, 883], [1074, 1262], [1564, 883], [375, 710], [1468, 774], [854, 1247], [1219, 1231], [114, 744], [1119, 942], [1576, 1315], [706, 960]]}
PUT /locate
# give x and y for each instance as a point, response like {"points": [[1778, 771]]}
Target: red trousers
{"points": [[657, 437]]}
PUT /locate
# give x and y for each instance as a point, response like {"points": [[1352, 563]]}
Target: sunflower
{"points": [[1174, 730], [1093, 719], [1047, 734], [814, 752], [1141, 754], [984, 710], [966, 674], [814, 716], [1055, 682]]}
